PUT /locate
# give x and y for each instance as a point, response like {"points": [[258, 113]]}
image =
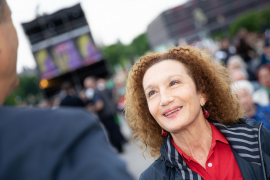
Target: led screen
{"points": [[67, 56]]}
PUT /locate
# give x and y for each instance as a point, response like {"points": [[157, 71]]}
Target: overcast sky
{"points": [[109, 20]]}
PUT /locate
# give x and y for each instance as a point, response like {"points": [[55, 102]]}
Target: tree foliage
{"points": [[28, 85], [251, 20], [118, 53], [140, 45]]}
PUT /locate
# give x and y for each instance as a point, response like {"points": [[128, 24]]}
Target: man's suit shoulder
{"points": [[64, 123], [38, 114], [55, 144]]}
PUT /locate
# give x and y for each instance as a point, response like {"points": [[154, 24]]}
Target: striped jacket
{"points": [[250, 144]]}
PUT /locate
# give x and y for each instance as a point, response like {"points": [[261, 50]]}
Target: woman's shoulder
{"points": [[157, 170]]}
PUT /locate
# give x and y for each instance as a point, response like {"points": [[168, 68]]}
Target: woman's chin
{"points": [[175, 129]]}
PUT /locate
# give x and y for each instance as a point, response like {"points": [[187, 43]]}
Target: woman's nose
{"points": [[166, 99]]}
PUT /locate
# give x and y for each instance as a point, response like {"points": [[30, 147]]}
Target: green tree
{"points": [[28, 86], [114, 53], [265, 14], [118, 53], [140, 45], [249, 21]]}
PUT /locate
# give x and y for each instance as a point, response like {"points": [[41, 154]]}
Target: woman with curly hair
{"points": [[180, 106]]}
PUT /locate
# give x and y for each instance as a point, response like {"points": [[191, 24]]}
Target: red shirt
{"points": [[220, 163]]}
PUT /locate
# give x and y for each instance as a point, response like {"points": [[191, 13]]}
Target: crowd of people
{"points": [[99, 97], [247, 57]]}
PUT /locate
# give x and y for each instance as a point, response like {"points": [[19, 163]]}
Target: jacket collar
{"points": [[242, 138], [173, 158]]}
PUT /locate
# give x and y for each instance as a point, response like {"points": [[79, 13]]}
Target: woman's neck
{"points": [[195, 140]]}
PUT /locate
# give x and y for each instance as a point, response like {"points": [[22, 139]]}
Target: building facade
{"points": [[195, 18]]}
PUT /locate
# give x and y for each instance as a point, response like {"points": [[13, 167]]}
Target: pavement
{"points": [[136, 163], [132, 155]]}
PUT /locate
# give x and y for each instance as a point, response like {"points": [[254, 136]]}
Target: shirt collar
{"points": [[217, 135]]}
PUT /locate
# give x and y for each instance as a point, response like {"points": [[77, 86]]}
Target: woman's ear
{"points": [[203, 99]]}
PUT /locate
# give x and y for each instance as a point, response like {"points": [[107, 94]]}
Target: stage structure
{"points": [[64, 49]]}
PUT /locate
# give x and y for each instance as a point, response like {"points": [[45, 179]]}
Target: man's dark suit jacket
{"points": [[62, 144]]}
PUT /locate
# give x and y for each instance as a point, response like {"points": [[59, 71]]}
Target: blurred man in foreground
{"points": [[47, 144]]}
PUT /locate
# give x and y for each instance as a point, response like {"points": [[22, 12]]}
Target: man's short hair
{"points": [[2, 11]]}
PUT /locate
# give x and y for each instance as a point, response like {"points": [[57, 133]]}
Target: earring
{"points": [[206, 113], [164, 133]]}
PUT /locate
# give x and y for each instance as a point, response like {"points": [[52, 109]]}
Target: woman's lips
{"points": [[172, 112]]}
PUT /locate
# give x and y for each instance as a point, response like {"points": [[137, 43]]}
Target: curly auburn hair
{"points": [[210, 78]]}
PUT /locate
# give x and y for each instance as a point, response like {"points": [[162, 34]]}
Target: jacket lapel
{"points": [[170, 154]]}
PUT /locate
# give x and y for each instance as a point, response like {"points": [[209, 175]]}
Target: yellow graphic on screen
{"points": [[83, 43], [62, 61], [41, 57]]}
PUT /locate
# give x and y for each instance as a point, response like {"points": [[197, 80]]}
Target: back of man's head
{"points": [[2, 10], [8, 52]]}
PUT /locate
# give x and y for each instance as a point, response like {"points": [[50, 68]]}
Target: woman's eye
{"points": [[151, 93], [174, 83]]}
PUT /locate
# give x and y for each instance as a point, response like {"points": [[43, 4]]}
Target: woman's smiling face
{"points": [[171, 95]]}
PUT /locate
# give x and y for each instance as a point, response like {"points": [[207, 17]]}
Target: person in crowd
{"points": [[257, 44], [238, 74], [120, 90], [47, 144], [89, 104], [101, 86], [244, 91], [94, 102], [69, 96], [179, 104], [265, 59], [82, 96], [243, 48], [262, 95], [236, 62], [105, 109], [225, 52], [107, 93]]}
